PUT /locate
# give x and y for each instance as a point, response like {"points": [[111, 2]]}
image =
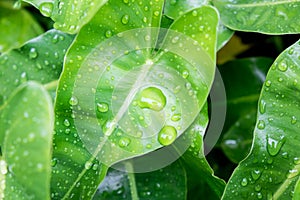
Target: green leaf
{"points": [[201, 178], [237, 75], [69, 15], [114, 88], [272, 168], [16, 28], [176, 8], [224, 35], [165, 183], [39, 59], [26, 122], [264, 16]]}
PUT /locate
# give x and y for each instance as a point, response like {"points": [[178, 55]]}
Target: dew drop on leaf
{"points": [[176, 117], [46, 9], [152, 98], [125, 19], [255, 174], [66, 122], [282, 66], [185, 74], [294, 120], [102, 107], [261, 124], [3, 167], [53, 162], [292, 173], [73, 101], [167, 135], [124, 142], [262, 106], [108, 33], [33, 53], [88, 165], [244, 182], [274, 145]]}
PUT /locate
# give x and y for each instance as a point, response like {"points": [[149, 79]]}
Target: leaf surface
{"points": [[26, 122], [271, 170], [255, 15]]}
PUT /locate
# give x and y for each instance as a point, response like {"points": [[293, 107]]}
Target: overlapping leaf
{"points": [[111, 73], [26, 126], [271, 171]]}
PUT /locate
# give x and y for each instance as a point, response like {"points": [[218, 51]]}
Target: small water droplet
{"points": [[185, 74], [108, 33], [262, 106], [124, 142], [194, 13], [261, 124], [268, 83], [244, 182], [294, 120], [274, 145], [102, 107], [291, 51], [292, 173], [156, 13], [53, 162], [126, 1], [88, 165], [167, 135], [33, 53], [125, 19], [256, 174], [296, 161], [152, 98], [259, 195], [257, 188], [66, 122], [46, 9], [95, 166], [147, 37], [175, 39], [176, 117], [73, 101], [3, 167], [282, 66]]}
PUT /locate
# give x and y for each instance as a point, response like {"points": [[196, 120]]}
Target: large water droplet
{"points": [[108, 33], [125, 19], [102, 107], [256, 174], [33, 53], [124, 142], [262, 106], [152, 98], [88, 165], [167, 135], [274, 145], [46, 9], [244, 182], [282, 66], [73, 101]]}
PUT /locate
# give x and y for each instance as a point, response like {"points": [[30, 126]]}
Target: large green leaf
{"points": [[39, 59], [237, 75], [265, 16], [272, 168], [16, 27], [69, 15], [26, 121], [117, 94], [165, 183]]}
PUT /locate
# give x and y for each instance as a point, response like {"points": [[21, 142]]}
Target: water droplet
{"points": [[102, 107], [282, 66], [259, 195], [88, 165], [262, 106], [194, 13], [274, 145], [167, 135], [261, 124], [294, 120], [292, 173], [176, 117], [296, 161], [23, 78], [33, 53], [73, 101], [156, 13], [108, 33], [257, 188], [256, 174], [126, 1], [53, 162], [95, 166], [185, 74], [244, 182], [175, 39], [268, 83], [291, 51], [3, 167], [124, 142], [147, 37], [125, 19], [46, 9], [66, 122], [152, 98]]}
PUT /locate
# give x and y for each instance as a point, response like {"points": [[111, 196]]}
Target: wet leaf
{"points": [[255, 15], [26, 121], [39, 59], [271, 170], [16, 28], [113, 99], [69, 16]]}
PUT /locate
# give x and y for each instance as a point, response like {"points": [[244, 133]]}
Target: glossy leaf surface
{"points": [[39, 59], [129, 109], [255, 15], [272, 168], [26, 121]]}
